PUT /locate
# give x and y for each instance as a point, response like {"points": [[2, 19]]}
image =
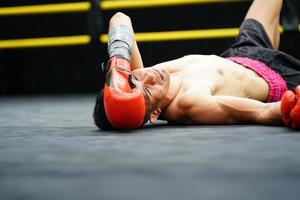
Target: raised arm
{"points": [[120, 19], [232, 110]]}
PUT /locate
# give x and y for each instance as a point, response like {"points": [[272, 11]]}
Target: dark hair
{"points": [[99, 115]]}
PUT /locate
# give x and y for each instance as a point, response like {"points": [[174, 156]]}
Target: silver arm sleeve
{"points": [[120, 41]]}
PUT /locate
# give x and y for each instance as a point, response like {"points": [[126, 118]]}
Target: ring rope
{"points": [[45, 9], [104, 5], [45, 42], [123, 4], [140, 37]]}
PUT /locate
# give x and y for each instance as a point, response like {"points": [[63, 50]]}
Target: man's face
{"points": [[154, 83]]}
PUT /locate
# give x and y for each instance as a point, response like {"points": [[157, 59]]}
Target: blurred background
{"points": [[57, 46]]}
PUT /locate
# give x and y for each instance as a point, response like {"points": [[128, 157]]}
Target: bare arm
{"points": [[136, 58], [233, 110]]}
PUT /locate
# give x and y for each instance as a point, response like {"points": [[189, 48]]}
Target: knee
{"points": [[119, 18]]}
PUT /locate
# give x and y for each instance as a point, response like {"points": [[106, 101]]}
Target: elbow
{"points": [[119, 18]]}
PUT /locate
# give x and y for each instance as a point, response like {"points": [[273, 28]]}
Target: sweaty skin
{"points": [[206, 89]]}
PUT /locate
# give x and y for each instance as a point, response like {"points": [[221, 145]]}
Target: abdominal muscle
{"points": [[240, 81], [222, 76]]}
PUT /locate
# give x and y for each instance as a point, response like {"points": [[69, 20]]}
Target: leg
{"points": [[267, 12], [121, 19]]}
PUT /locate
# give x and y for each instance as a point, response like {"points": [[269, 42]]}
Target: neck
{"points": [[174, 87]]}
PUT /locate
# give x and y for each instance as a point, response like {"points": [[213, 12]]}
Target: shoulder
{"points": [[202, 109], [191, 97], [195, 102]]}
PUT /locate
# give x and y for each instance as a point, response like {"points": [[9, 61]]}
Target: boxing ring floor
{"points": [[50, 149]]}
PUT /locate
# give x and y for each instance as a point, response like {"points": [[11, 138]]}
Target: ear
{"points": [[154, 115]]}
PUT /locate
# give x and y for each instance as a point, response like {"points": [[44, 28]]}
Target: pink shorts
{"points": [[277, 85]]}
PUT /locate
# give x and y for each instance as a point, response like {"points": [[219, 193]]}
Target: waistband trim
{"points": [[277, 85]]}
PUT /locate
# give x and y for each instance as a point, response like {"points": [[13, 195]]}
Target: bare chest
{"points": [[221, 77], [213, 76]]}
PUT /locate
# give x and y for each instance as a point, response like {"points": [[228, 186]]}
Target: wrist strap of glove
{"points": [[120, 41]]}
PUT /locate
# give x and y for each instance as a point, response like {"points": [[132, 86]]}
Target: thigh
{"points": [[267, 12], [252, 34]]}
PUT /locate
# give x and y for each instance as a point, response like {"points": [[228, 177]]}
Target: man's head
{"points": [[152, 83]]}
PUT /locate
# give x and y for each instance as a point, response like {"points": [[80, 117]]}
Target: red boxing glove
{"points": [[124, 106], [290, 108]]}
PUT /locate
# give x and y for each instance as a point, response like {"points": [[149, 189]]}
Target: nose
{"points": [[149, 79]]}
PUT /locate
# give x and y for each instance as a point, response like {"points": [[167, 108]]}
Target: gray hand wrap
{"points": [[120, 41]]}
